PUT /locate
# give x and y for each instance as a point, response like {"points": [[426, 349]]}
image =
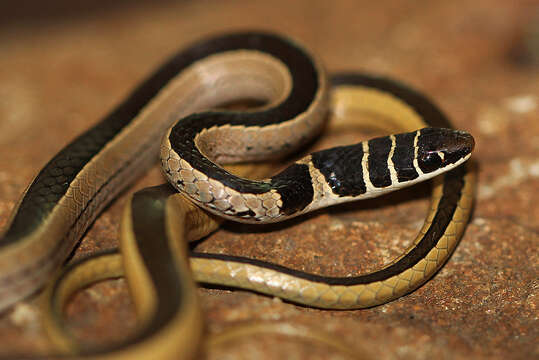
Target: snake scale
{"points": [[172, 105]]}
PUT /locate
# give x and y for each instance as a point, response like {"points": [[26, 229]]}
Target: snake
{"points": [[167, 117]]}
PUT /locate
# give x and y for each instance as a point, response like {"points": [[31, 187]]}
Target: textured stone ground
{"points": [[62, 68]]}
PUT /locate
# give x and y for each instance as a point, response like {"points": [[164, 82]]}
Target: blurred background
{"points": [[65, 64]]}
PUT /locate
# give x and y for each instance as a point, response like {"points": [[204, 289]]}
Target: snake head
{"points": [[439, 148]]}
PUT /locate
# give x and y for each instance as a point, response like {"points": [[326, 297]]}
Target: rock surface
{"points": [[62, 68]]}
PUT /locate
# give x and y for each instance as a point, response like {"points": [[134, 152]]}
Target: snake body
{"points": [[78, 182]]}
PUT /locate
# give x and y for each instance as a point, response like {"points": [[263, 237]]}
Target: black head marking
{"points": [[438, 148]]}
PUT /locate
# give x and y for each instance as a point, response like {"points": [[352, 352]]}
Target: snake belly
{"points": [[77, 183]]}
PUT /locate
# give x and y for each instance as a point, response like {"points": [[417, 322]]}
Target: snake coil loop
{"points": [[72, 189]]}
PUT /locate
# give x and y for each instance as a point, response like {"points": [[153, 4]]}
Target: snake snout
{"points": [[465, 141], [456, 144]]}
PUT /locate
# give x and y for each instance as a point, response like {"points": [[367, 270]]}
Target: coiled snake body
{"points": [[78, 182]]}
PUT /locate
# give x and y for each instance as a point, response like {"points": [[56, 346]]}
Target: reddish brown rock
{"points": [[60, 72]]}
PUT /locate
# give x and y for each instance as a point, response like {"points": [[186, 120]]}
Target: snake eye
{"points": [[430, 162]]}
